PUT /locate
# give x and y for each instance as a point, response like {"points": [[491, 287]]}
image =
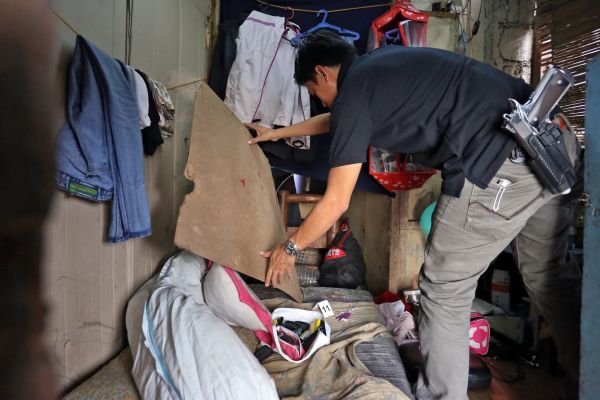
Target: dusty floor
{"points": [[538, 384]]}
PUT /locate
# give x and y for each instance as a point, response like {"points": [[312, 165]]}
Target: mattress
{"points": [[380, 355], [112, 382]]}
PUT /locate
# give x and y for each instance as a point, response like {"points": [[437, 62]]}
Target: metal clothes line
{"points": [[294, 9], [72, 29]]}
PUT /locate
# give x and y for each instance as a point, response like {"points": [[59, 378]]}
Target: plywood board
{"points": [[233, 212]]}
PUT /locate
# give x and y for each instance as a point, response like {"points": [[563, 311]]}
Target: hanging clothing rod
{"points": [[64, 21], [265, 3]]}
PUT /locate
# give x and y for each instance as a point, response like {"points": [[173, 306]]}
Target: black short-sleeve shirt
{"points": [[443, 108]]}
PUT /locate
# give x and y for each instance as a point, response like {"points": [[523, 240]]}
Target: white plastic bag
{"points": [[293, 314]]}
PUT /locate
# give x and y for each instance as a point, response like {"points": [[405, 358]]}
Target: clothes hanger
{"points": [[288, 22], [326, 25], [291, 17], [393, 34]]}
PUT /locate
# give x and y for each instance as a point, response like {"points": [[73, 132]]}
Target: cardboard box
{"points": [[501, 289], [233, 212]]}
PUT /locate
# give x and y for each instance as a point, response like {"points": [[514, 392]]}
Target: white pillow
{"points": [[231, 299]]}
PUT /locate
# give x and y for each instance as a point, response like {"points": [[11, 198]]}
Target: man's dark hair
{"points": [[321, 47]]}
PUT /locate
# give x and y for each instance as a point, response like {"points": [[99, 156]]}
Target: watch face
{"points": [[291, 249]]}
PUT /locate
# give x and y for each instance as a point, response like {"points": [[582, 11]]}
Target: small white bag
{"points": [[287, 350]]}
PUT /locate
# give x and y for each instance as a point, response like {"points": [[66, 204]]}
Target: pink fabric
{"points": [[246, 298], [291, 351], [266, 338]]}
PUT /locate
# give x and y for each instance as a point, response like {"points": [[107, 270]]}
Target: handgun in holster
{"points": [[542, 139]]}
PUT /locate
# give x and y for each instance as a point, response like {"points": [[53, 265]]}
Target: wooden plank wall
{"points": [[369, 219], [87, 280]]}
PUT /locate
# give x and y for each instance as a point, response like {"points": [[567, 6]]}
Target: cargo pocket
{"points": [[503, 207]]}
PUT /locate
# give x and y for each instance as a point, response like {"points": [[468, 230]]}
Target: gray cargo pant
{"points": [[466, 235]]}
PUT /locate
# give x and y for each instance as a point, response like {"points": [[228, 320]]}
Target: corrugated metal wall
{"points": [[88, 281]]}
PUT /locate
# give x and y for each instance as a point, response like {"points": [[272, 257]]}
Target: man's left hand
{"points": [[280, 264]]}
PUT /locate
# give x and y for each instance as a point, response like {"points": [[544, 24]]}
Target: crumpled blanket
{"points": [[334, 371]]}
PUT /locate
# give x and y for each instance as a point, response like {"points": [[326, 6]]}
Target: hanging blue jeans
{"points": [[99, 149]]}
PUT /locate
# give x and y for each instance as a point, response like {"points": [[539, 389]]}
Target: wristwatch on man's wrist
{"points": [[291, 248]]}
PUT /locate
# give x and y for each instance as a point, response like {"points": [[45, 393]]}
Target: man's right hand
{"points": [[263, 134]]}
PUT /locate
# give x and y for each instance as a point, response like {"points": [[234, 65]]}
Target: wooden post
{"points": [[407, 243], [400, 227], [590, 311]]}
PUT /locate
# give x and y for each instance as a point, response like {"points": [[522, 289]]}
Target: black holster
{"points": [[550, 160]]}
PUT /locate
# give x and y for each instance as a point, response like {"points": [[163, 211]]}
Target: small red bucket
{"points": [[396, 173]]}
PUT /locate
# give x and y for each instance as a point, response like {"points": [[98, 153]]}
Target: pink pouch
{"points": [[294, 350], [479, 334]]}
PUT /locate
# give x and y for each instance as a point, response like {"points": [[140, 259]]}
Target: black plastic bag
{"points": [[344, 264]]}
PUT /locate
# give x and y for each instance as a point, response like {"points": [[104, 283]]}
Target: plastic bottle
{"points": [[307, 275]]}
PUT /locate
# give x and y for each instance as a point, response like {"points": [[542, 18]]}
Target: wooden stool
{"points": [[309, 259], [286, 198]]}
